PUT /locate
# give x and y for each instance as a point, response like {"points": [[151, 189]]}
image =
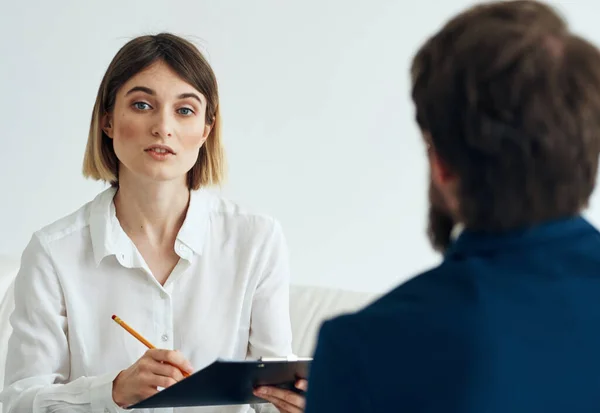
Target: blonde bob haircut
{"points": [[100, 161]]}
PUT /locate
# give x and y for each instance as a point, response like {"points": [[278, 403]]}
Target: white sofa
{"points": [[309, 307]]}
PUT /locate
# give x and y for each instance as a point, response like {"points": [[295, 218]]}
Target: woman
{"points": [[196, 275]]}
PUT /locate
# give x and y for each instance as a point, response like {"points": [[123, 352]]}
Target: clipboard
{"points": [[230, 383]]}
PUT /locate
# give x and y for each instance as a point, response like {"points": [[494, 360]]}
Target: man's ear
{"points": [[441, 174], [445, 180], [107, 124]]}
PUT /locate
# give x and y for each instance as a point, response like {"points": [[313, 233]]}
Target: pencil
{"points": [[139, 337]]}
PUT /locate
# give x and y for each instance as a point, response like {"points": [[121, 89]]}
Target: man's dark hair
{"points": [[511, 100]]}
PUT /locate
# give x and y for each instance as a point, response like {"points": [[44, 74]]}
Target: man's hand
{"points": [[285, 400]]}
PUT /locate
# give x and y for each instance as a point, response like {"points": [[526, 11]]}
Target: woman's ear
{"points": [[207, 129], [107, 125]]}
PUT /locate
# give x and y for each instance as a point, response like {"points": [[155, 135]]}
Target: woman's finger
{"points": [[168, 370], [162, 381], [302, 384], [282, 405], [172, 357], [286, 400]]}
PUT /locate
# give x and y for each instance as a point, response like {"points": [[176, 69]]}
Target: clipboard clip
{"points": [[289, 358]]}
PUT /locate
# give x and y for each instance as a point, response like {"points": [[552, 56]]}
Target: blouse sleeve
{"points": [[270, 326], [37, 376]]}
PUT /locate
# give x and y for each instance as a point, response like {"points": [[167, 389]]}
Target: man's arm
{"points": [[400, 356]]}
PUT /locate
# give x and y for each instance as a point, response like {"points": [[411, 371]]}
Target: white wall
{"points": [[318, 121]]}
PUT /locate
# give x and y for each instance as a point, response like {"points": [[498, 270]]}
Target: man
{"points": [[508, 100]]}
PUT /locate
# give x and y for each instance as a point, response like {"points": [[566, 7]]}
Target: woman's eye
{"points": [[185, 111], [141, 105]]}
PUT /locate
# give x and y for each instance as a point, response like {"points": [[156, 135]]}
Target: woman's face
{"points": [[157, 126]]}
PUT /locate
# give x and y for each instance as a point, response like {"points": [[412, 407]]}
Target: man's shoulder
{"points": [[432, 303], [407, 343], [447, 287]]}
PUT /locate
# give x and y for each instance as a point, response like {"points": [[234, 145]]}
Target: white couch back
{"points": [[309, 307]]}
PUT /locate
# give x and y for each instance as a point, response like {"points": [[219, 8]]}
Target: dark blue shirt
{"points": [[506, 324]]}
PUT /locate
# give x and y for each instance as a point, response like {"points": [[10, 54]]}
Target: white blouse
{"points": [[227, 297]]}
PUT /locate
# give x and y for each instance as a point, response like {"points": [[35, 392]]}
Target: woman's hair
{"points": [[100, 161]]}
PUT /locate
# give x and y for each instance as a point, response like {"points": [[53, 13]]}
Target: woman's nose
{"points": [[162, 127]]}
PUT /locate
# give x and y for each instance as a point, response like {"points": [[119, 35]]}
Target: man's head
{"points": [[508, 100]]}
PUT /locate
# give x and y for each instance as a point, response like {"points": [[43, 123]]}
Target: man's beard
{"points": [[440, 223]]}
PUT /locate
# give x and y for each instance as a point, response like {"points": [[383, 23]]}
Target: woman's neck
{"points": [[152, 210]]}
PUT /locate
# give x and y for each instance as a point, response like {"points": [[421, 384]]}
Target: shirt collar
{"points": [[469, 241], [194, 230], [104, 234], [456, 231], [108, 237]]}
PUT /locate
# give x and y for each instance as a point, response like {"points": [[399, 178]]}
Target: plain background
{"points": [[318, 122]]}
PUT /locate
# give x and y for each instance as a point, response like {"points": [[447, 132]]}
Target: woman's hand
{"points": [[156, 368], [286, 401]]}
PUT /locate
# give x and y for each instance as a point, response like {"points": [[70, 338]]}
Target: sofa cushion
{"points": [[310, 306]]}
